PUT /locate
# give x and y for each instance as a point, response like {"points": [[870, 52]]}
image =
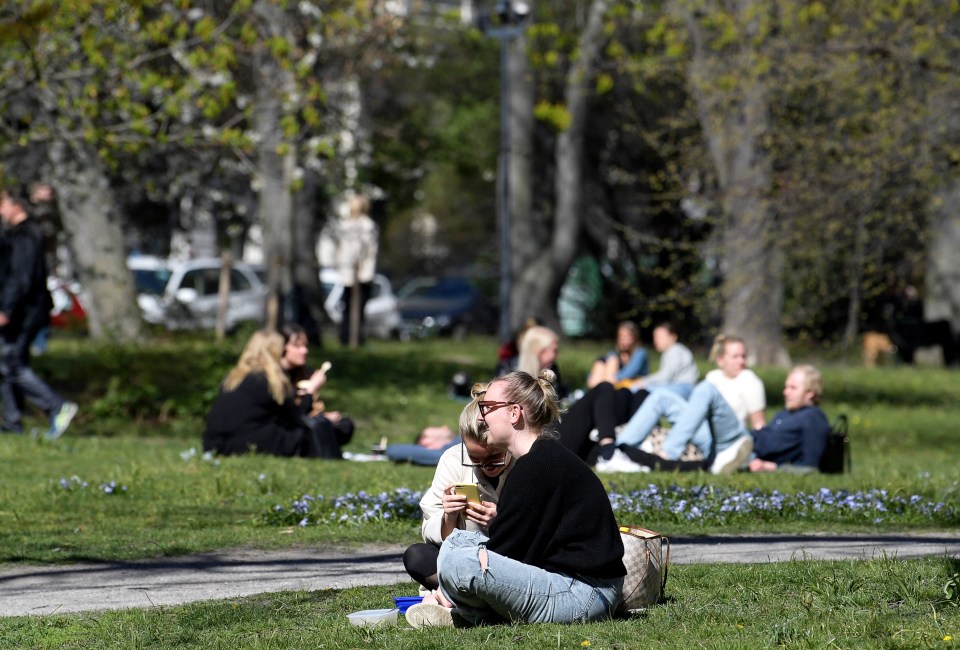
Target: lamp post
{"points": [[505, 24]]}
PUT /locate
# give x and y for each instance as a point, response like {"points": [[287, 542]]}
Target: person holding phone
{"points": [[553, 553], [473, 463]]}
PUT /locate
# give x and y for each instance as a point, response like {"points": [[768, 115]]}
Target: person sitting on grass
{"points": [[333, 428], [554, 552], [471, 461], [698, 421], [678, 369], [796, 436], [539, 348], [256, 410], [623, 364]]}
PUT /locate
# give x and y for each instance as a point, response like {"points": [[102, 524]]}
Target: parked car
{"points": [[68, 312], [381, 313], [186, 294], [449, 306]]}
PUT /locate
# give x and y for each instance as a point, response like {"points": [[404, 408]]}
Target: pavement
{"points": [[48, 589]]}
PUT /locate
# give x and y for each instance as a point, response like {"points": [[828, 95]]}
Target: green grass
{"points": [[142, 409], [881, 603]]}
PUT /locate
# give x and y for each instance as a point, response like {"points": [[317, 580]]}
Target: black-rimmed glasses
{"points": [[486, 407], [498, 459]]}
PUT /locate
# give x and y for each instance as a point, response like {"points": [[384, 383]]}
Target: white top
{"points": [[357, 242], [450, 470], [744, 393]]}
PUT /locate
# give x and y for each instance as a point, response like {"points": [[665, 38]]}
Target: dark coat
{"points": [[24, 296], [249, 419]]}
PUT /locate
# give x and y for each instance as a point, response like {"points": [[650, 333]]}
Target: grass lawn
{"points": [[128, 481], [880, 603]]}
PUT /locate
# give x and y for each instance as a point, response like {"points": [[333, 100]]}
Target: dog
{"points": [[875, 346]]}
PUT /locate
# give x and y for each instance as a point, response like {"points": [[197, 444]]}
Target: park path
{"points": [[33, 590]]}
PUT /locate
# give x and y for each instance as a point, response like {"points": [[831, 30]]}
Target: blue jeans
{"points": [[683, 390], [413, 453], [513, 591], [706, 420]]}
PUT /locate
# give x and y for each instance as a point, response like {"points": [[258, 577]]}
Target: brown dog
{"points": [[876, 344]]}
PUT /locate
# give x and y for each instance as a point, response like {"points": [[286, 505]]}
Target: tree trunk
{"points": [[734, 123], [306, 268], [943, 264], [526, 239], [276, 160], [90, 219], [539, 283], [855, 282]]}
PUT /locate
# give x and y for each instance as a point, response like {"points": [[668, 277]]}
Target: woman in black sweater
{"points": [[554, 553], [256, 409]]}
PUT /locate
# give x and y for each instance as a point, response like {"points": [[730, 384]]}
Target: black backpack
{"points": [[836, 455]]}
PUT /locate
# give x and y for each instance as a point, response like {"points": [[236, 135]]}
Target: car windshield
{"points": [[151, 281]]}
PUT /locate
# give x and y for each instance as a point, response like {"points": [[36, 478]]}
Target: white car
{"points": [[381, 313], [186, 294]]}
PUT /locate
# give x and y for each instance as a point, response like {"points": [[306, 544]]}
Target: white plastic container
{"points": [[374, 617]]}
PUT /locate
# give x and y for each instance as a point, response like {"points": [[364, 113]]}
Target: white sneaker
{"points": [[733, 457], [620, 462], [429, 615]]}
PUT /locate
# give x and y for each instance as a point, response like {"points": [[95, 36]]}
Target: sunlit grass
{"points": [[880, 603]]}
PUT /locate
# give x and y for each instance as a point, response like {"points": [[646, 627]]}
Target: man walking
{"points": [[24, 310]]}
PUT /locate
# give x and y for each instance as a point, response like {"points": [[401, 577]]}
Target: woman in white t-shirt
{"points": [[739, 385]]}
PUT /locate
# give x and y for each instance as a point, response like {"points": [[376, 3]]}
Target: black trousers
{"points": [[655, 462], [602, 408], [325, 438], [347, 301], [420, 561]]}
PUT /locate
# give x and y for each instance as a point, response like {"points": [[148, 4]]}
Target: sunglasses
{"points": [[487, 407], [498, 460]]}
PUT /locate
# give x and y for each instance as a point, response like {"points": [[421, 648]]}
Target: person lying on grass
{"points": [[427, 449], [471, 461], [554, 553]]}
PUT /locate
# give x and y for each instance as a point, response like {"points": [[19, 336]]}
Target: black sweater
{"points": [[554, 513], [248, 416]]}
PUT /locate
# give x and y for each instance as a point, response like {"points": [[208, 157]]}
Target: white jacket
{"points": [[449, 471], [357, 243]]}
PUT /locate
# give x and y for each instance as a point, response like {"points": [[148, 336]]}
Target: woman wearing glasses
{"points": [[471, 461], [553, 554]]}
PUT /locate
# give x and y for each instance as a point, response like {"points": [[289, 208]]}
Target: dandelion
{"points": [[585, 643], [948, 638]]}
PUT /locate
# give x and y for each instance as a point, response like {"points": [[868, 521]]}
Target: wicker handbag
{"points": [[646, 554]]}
